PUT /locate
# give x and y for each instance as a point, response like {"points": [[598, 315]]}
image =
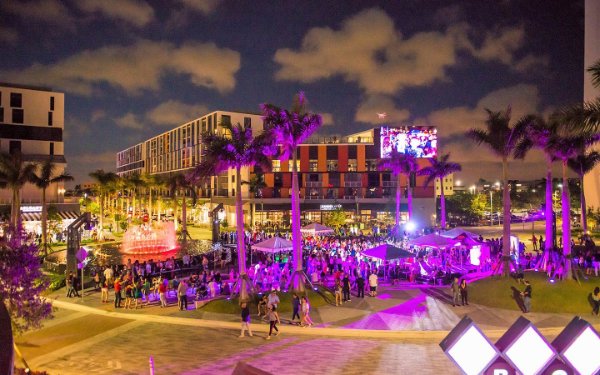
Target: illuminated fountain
{"points": [[149, 239]]}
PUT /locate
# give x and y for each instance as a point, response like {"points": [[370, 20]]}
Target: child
{"points": [[245, 320]]}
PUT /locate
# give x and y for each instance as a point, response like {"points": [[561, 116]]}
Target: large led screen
{"points": [[421, 141]]}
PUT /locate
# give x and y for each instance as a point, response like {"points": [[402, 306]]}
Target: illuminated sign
{"points": [[420, 141], [31, 209], [330, 207]]}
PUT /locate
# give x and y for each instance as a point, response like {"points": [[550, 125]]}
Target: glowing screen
{"points": [[421, 141]]}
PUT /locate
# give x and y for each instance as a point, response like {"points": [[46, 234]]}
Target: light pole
{"points": [[491, 208]]}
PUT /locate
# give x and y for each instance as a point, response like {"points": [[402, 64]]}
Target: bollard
{"points": [[151, 363]]}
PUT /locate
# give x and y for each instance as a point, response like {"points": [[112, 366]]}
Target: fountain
{"points": [[149, 239]]}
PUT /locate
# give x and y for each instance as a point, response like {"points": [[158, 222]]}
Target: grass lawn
{"points": [[560, 297], [225, 306]]}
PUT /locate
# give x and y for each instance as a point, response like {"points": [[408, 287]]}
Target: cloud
{"points": [[8, 35], [173, 112], [97, 115], [202, 6], [137, 67], [327, 119], [52, 12], [130, 121], [382, 61], [135, 12], [372, 105]]}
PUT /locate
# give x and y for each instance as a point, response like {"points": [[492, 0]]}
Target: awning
{"points": [[37, 216]]}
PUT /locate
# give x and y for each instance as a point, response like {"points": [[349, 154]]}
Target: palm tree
{"points": [[582, 164], [412, 169], [14, 174], [43, 180], [255, 186], [290, 129], [236, 148], [180, 184], [440, 168], [584, 116], [135, 182], [565, 148], [104, 184], [539, 134], [398, 163], [501, 138]]}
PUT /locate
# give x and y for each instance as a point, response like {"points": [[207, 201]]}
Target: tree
{"points": [[398, 163], [180, 184], [440, 168], [582, 164], [104, 184], [584, 116], [290, 129], [336, 218], [501, 138], [135, 182], [43, 180], [255, 186], [14, 174], [539, 134], [21, 286], [236, 148]]}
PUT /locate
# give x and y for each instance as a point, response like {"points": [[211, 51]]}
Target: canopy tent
{"points": [[458, 232], [273, 245], [387, 252], [316, 229], [433, 240]]}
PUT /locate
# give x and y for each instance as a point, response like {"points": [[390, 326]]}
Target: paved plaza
{"points": [[396, 332]]}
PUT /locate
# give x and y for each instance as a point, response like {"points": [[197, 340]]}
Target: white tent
{"points": [[316, 229], [433, 240], [273, 245]]}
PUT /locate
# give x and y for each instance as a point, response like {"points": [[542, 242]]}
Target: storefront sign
{"points": [[330, 207], [31, 208]]}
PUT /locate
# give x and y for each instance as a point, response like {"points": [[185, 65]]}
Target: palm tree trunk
{"points": [[398, 200], [175, 209], [583, 206], [297, 280], [566, 221], [184, 218], [44, 222], [159, 207], [549, 211], [150, 205], [506, 217], [239, 217], [409, 199], [101, 219], [442, 204], [16, 207]]}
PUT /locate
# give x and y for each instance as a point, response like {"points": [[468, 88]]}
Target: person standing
{"points": [[118, 296], [295, 307], [305, 320], [527, 296], [463, 292], [245, 320], [162, 293], [534, 241], [360, 285], [455, 288], [346, 287], [273, 303], [272, 323], [338, 292], [373, 284], [69, 281], [104, 292], [182, 294]]}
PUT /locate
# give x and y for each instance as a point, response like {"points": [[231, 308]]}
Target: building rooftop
{"points": [[26, 87]]}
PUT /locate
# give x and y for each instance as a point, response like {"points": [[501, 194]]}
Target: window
{"points": [[50, 118], [312, 165], [276, 166], [247, 122], [371, 165], [52, 103], [17, 116], [1, 114], [232, 178], [14, 147], [332, 165], [352, 165], [225, 120], [51, 148], [16, 100]]}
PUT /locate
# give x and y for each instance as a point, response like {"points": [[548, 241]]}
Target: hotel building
{"points": [[32, 124], [334, 173]]}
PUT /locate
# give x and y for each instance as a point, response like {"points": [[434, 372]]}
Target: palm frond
{"points": [[595, 71]]}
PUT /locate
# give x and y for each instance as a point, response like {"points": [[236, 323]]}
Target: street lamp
{"points": [[491, 208], [472, 189]]}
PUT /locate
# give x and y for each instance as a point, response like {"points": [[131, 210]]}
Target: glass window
{"points": [[332, 165], [17, 116], [1, 114], [14, 147], [371, 165], [247, 122], [352, 165], [52, 103], [312, 165], [276, 165], [51, 148], [225, 120], [50, 119], [16, 100]]}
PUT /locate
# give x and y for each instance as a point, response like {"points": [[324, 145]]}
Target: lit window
{"points": [[276, 166]]}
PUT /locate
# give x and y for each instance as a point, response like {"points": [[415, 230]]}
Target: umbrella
{"points": [[273, 245], [316, 229], [387, 252], [433, 240]]}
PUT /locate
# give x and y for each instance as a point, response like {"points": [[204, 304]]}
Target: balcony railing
{"points": [[389, 183], [314, 183], [353, 183]]}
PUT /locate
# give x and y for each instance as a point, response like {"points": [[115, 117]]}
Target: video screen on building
{"points": [[420, 141]]}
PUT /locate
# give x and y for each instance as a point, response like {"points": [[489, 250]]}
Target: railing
{"points": [[313, 183], [389, 183], [352, 183], [338, 140]]}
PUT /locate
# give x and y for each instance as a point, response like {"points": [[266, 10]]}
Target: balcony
{"points": [[314, 183], [352, 183], [389, 183]]}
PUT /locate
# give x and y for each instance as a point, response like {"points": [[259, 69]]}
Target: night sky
{"points": [[132, 69]]}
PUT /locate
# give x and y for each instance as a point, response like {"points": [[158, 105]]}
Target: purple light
{"points": [[552, 281]]}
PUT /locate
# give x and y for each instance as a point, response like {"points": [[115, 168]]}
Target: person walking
{"points": [[373, 284], [306, 320], [463, 292], [596, 301], [527, 296], [162, 293], [346, 288], [338, 292], [245, 319], [295, 307], [104, 292], [118, 296], [272, 323], [455, 288], [182, 294], [70, 289], [360, 285]]}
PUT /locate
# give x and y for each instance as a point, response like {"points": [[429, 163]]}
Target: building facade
{"points": [[32, 124], [334, 173]]}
